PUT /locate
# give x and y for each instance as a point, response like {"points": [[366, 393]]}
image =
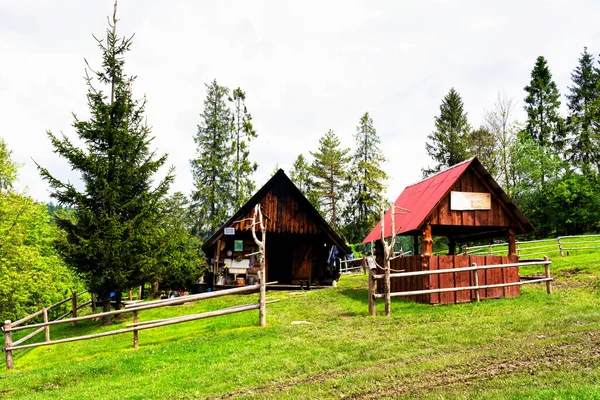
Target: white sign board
{"points": [[460, 201]]}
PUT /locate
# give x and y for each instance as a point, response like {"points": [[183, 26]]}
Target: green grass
{"points": [[532, 346]]}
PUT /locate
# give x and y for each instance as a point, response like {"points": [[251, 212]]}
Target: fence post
{"points": [[7, 344], [46, 328], [372, 310], [74, 308], [262, 310], [476, 282], [547, 273], [491, 251], [560, 247], [135, 333]]}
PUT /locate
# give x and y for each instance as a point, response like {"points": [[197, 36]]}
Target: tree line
{"points": [[548, 164]]}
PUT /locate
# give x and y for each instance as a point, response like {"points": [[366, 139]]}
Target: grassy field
{"points": [[533, 346]]}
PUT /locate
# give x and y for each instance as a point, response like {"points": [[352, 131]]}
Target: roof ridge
{"points": [[443, 171]]}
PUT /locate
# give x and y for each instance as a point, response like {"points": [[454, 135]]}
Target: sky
{"points": [[306, 67]]}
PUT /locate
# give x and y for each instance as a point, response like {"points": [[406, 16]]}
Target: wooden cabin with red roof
{"points": [[298, 247], [465, 204]]}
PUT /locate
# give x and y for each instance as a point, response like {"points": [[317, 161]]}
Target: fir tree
{"points": [[367, 181], [582, 122], [244, 133], [544, 124], [113, 229], [328, 172], [448, 144], [300, 175], [214, 191]]}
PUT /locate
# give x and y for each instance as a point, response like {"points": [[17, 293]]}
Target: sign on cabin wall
{"points": [[462, 201]]}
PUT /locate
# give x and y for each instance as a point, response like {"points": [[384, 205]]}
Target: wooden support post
{"points": [[46, 328], [426, 241], [372, 283], [512, 244], [140, 292], [560, 248], [135, 333], [451, 246], [7, 344], [388, 290], [476, 282], [415, 245], [130, 294], [262, 311], [547, 273], [74, 308]]}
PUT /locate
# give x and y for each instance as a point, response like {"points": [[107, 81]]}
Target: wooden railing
{"points": [[373, 295], [10, 327], [561, 244]]}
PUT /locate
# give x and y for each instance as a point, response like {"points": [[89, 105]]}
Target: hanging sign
{"points": [[463, 201], [229, 231]]}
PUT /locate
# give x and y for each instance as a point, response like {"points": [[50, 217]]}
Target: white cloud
{"points": [[306, 67]]}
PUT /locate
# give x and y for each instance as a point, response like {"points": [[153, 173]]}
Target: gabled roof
{"points": [[280, 178], [421, 199]]}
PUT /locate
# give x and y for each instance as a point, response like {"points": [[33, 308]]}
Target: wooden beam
{"points": [[426, 241]]}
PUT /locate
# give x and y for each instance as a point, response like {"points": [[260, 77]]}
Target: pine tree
{"points": [[544, 124], [367, 181], [300, 175], [113, 229], [214, 191], [328, 172], [583, 120], [448, 144], [244, 133]]}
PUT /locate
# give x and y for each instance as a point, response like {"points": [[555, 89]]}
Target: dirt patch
{"points": [[579, 350]]}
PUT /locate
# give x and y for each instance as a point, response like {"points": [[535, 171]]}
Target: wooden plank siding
{"points": [[453, 279], [498, 215], [284, 215]]}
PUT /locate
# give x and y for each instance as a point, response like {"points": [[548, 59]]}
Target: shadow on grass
{"points": [[359, 295]]}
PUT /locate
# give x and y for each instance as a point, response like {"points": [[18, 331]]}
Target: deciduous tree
{"points": [[244, 132]]}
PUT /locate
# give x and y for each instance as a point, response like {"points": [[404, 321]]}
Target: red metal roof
{"points": [[420, 199]]}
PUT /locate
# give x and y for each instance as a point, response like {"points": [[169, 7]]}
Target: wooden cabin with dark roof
{"points": [[298, 240], [463, 203]]}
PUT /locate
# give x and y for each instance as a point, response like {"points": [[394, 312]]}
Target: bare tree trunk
{"points": [[107, 319]]}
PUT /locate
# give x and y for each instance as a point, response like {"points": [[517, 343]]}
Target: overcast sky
{"points": [[306, 67]]}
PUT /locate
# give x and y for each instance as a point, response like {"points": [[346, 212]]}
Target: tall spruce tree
{"points": [[583, 119], [244, 133], [328, 172], [544, 124], [113, 229], [448, 144], [367, 181], [214, 189], [300, 175]]}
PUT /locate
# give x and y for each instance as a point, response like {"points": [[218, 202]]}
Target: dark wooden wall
{"points": [[458, 279], [469, 182], [284, 214]]}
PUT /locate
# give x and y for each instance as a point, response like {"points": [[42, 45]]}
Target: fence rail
{"points": [[560, 244], [476, 287], [10, 327]]}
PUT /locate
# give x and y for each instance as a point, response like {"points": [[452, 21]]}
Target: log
{"points": [[476, 282], [135, 333], [184, 318], [372, 309], [456, 289], [46, 328], [449, 270], [139, 328], [178, 300], [8, 344], [25, 338], [547, 274], [27, 318]]}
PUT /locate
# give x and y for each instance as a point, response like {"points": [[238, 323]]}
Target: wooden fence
{"points": [[476, 287], [561, 245], [10, 327]]}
